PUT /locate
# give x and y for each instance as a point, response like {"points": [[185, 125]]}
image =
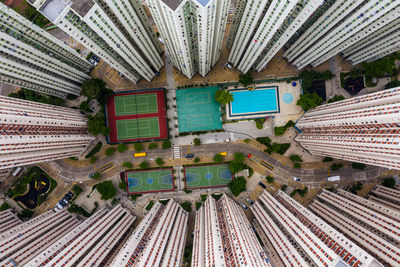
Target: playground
{"points": [[207, 176], [149, 181], [198, 110], [136, 116]]}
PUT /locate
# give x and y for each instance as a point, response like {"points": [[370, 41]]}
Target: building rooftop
{"points": [[53, 8], [172, 4]]}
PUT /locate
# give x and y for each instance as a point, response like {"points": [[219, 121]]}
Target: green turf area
{"points": [[150, 181], [138, 128], [207, 176], [135, 104]]}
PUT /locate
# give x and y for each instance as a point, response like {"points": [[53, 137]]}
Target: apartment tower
{"points": [[224, 237], [193, 31], [362, 129], [361, 30], [118, 31], [32, 132], [264, 28], [31, 58]]}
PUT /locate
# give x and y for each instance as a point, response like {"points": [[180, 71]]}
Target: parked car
{"points": [[262, 185], [93, 62], [67, 197], [250, 201], [91, 175], [297, 179], [189, 156], [96, 58], [244, 206], [120, 74]]}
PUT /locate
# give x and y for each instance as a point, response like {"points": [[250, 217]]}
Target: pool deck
{"points": [[286, 111]]}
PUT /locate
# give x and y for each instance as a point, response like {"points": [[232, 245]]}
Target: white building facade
{"points": [[32, 132], [193, 31], [362, 129], [265, 28], [31, 58], [118, 31], [223, 236], [357, 28]]}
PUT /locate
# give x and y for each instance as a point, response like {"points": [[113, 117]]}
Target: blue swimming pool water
{"points": [[259, 100]]}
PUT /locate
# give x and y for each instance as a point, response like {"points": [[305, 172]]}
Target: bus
{"points": [[141, 154], [223, 153], [106, 167], [261, 162]]}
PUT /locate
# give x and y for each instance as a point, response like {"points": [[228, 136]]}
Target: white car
{"points": [[297, 179]]}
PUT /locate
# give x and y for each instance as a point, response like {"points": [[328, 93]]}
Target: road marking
{"points": [[177, 152]]}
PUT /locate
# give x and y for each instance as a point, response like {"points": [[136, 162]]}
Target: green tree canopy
{"points": [[97, 124], [237, 185], [138, 147], [166, 144], [96, 89], [196, 141], [389, 182], [110, 151], [270, 179], [144, 165], [122, 148], [309, 76], [159, 161], [218, 158], [223, 97], [153, 146], [246, 79], [85, 106], [309, 101], [127, 164], [336, 98], [392, 84], [107, 190]]}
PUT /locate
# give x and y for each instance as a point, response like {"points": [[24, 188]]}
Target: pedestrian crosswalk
{"points": [[177, 152]]}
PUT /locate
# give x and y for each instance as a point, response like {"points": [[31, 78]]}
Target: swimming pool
{"points": [[261, 101]]}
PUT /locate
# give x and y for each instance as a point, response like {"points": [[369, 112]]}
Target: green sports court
{"points": [[198, 110], [137, 128], [135, 104], [207, 176], [149, 181]]}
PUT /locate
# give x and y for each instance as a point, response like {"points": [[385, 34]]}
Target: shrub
{"points": [[166, 144], [327, 159], [159, 161], [247, 140], [122, 148], [164, 202], [297, 165], [135, 196], [96, 176], [198, 205], [309, 101], [264, 140], [335, 167], [295, 158], [284, 187], [110, 151], [280, 148], [85, 106], [279, 130], [203, 197], [150, 205], [122, 184], [138, 147], [357, 186], [95, 150], [245, 79], [336, 98], [358, 166], [237, 185], [93, 159], [196, 160], [196, 141], [270, 179], [127, 164], [187, 206], [4, 206], [144, 165], [218, 158], [74, 158], [260, 123], [76, 189], [106, 189], [389, 182], [153, 146], [26, 214], [216, 196], [187, 191]]}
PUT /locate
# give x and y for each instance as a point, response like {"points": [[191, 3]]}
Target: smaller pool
{"points": [[287, 98], [256, 102]]}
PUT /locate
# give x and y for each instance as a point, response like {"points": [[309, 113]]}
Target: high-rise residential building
{"points": [[362, 129], [32, 132], [88, 243], [118, 31], [265, 27], [301, 238], [193, 31], [159, 239], [8, 220], [372, 226], [224, 237], [32, 58], [362, 30]]}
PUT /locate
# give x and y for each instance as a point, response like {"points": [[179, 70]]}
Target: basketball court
{"points": [[207, 176], [149, 181]]}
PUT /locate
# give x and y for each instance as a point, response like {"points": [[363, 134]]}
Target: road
{"points": [[282, 173]]}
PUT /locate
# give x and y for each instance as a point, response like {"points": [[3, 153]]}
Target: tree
{"points": [[335, 167], [284, 187], [358, 166], [76, 189], [297, 165], [280, 148], [96, 89], [239, 157], [110, 151], [150, 205], [270, 179], [245, 79], [187, 206], [392, 84], [295, 158], [198, 205], [85, 106], [264, 140], [218, 158], [196, 141], [122, 184], [389, 182], [153, 146], [260, 123], [308, 77], [279, 130], [159, 161], [138, 147], [196, 160], [166, 144], [203, 197], [223, 97], [309, 101], [122, 148], [144, 165], [235, 166], [106, 189], [96, 176], [237, 185], [327, 159], [97, 124], [357, 186], [127, 164], [336, 98]]}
